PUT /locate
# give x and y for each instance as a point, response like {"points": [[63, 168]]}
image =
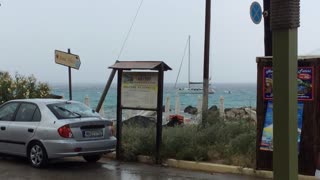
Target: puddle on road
{"points": [[138, 172], [109, 167], [124, 174]]}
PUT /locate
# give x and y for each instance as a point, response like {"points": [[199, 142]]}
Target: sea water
{"points": [[235, 95]]}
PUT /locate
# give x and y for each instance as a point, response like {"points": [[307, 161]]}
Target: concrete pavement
{"points": [[75, 168]]}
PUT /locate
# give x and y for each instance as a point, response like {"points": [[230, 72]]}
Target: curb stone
{"points": [[209, 167]]}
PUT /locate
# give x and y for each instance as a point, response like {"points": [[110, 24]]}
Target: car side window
{"points": [[37, 116], [26, 112], [7, 111]]}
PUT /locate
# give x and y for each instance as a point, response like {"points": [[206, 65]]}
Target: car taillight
{"points": [[65, 131], [111, 130]]}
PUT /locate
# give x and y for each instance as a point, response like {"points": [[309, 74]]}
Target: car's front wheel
{"points": [[92, 158], [37, 155]]}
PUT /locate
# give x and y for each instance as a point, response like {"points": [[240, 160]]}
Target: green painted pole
{"points": [[285, 19], [285, 155]]}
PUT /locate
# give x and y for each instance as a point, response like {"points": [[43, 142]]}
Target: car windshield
{"points": [[67, 110]]}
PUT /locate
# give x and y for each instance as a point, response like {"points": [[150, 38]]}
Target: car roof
{"points": [[43, 101]]}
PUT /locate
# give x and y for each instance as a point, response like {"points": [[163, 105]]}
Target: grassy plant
{"points": [[184, 143], [137, 141], [229, 142]]}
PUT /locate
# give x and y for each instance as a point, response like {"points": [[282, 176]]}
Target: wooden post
{"points": [[221, 108], [87, 101], [167, 108], [159, 114], [199, 107], [284, 22], [119, 117], [70, 83], [285, 154], [177, 104], [106, 89]]}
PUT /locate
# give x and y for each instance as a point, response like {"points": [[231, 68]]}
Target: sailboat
{"points": [[190, 89], [194, 90]]}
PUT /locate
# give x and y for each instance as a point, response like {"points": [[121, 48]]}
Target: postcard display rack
{"points": [[308, 77]]}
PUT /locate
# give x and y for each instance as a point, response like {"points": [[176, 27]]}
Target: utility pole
{"points": [[206, 62], [285, 20], [267, 29]]}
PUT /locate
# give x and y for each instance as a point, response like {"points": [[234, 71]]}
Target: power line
{"points": [[127, 36]]}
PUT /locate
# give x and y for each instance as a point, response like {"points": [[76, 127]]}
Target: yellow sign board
{"points": [[66, 59], [139, 89]]}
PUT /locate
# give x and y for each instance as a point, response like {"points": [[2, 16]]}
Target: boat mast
{"points": [[181, 63], [189, 63]]}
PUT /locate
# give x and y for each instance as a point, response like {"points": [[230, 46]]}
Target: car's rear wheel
{"points": [[92, 158], [37, 155]]}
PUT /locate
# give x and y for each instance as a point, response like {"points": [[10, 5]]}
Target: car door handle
{"points": [[3, 128], [30, 130]]}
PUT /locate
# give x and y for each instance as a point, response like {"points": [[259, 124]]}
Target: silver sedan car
{"points": [[44, 129]]}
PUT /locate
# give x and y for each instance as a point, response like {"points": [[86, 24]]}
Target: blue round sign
{"points": [[256, 12]]}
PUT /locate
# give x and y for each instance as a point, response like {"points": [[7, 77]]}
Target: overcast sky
{"points": [[31, 30]]}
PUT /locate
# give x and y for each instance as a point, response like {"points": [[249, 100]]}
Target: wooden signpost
{"points": [[69, 60], [139, 90]]}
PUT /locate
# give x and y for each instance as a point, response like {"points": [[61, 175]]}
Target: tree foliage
{"points": [[21, 87]]}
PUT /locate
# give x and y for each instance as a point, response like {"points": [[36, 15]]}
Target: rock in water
{"points": [[240, 113], [252, 113], [191, 110], [140, 121], [213, 108]]}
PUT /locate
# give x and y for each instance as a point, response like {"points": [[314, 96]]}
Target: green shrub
{"points": [[184, 143], [228, 142], [137, 141], [21, 87], [233, 141], [6, 87]]}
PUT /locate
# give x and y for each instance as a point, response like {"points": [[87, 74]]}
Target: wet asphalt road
{"points": [[75, 168]]}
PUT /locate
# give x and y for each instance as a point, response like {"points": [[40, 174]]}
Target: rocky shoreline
{"points": [[148, 119], [228, 113]]}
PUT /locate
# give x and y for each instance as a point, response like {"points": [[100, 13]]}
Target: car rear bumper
{"points": [[71, 147]]}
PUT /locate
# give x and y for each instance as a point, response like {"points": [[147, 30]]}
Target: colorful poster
{"points": [[267, 134], [305, 83], [139, 89], [268, 83]]}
